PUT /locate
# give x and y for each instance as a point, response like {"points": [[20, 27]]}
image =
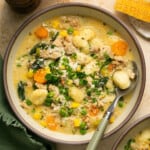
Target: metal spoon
{"points": [[103, 124]]}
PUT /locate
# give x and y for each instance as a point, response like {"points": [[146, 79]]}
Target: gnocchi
{"points": [[121, 79], [38, 96]]}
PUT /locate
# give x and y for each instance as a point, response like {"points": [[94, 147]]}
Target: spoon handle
{"points": [[99, 132]]}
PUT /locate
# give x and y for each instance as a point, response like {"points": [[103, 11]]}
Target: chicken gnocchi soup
{"points": [[66, 70], [140, 142]]}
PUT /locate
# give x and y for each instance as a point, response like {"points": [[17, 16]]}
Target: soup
{"points": [[140, 142], [63, 73]]}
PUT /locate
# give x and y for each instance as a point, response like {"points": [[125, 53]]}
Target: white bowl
{"points": [[132, 130], [73, 9]]}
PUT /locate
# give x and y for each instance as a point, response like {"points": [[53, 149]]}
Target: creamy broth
{"points": [[63, 73]]}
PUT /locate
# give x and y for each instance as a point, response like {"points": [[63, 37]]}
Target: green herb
{"points": [[80, 75], [110, 32], [128, 145], [21, 90], [33, 110], [65, 61], [83, 82], [38, 46], [18, 65], [28, 102], [83, 128], [54, 64], [74, 56], [107, 61], [53, 46], [50, 94], [121, 102], [65, 111], [70, 30], [89, 91], [54, 36], [53, 79], [103, 81], [94, 100], [83, 111], [63, 90], [48, 101]]}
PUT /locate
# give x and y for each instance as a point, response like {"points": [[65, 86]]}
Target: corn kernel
{"points": [[76, 33], [30, 73], [112, 119], [96, 122], [37, 116], [75, 105], [77, 122], [43, 123], [62, 67], [47, 69], [104, 72], [78, 68], [55, 24], [63, 33], [69, 82]]}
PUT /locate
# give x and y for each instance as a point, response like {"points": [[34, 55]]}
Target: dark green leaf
{"points": [[21, 90], [28, 102], [40, 46], [37, 64], [54, 36], [53, 79]]}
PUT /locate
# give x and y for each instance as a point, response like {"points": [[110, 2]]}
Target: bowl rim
{"points": [[129, 128], [72, 4]]}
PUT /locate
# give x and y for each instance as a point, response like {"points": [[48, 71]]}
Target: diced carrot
{"points": [[39, 76], [51, 123], [93, 111], [50, 119], [41, 32], [111, 67], [119, 48]]}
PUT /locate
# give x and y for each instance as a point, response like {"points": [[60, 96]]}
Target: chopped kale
{"points": [[128, 145], [107, 61], [38, 46], [54, 36], [21, 90], [37, 64]]}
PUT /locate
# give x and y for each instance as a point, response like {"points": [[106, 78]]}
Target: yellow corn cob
{"points": [[139, 9]]}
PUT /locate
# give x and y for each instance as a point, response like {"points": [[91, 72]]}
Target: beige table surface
{"points": [[9, 22]]}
